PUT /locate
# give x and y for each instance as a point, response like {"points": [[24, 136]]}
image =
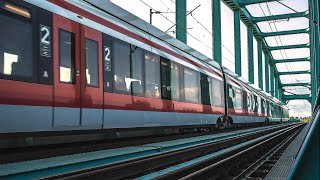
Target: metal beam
{"points": [[216, 29], [295, 84], [243, 3], [290, 60], [260, 75], [266, 70], [237, 41], [293, 72], [250, 54], [296, 97], [281, 33], [288, 47], [181, 20], [278, 17], [276, 89], [272, 79]]}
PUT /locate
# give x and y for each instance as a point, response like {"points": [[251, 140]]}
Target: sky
{"points": [[199, 36]]}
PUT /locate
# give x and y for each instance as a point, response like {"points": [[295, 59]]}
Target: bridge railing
{"points": [[306, 165]]}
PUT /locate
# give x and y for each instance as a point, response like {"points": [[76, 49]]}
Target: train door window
{"points": [[165, 79], [238, 98], [259, 104], [121, 57], [17, 60], [67, 61], [137, 80], [217, 95], [191, 86], [152, 75], [92, 70], [205, 89], [175, 82], [231, 96]]}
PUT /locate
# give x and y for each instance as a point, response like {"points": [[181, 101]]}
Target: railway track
{"points": [[212, 160], [17, 154]]}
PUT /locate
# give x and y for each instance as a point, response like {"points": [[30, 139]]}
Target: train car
{"points": [[68, 65]]}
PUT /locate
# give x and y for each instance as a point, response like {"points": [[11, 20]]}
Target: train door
{"points": [[91, 77], [77, 80]]}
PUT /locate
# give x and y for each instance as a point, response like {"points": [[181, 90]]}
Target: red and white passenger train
{"points": [[69, 65]]}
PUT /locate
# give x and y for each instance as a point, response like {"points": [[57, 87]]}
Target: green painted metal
{"points": [[260, 76], [181, 20], [316, 45], [266, 70], [250, 54], [216, 29], [276, 89], [293, 72], [307, 162], [272, 80], [281, 33], [237, 41], [295, 84], [278, 17], [289, 60], [288, 47], [296, 97], [243, 3]]}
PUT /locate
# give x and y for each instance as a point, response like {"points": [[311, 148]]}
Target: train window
{"points": [[191, 86], [259, 104], [137, 80], [255, 103], [238, 99], [217, 92], [92, 70], [165, 79], [16, 10], [231, 96], [175, 82], [16, 50], [205, 89], [152, 75], [66, 50], [121, 58]]}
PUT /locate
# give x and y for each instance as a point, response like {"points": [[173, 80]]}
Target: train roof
{"points": [[180, 47]]}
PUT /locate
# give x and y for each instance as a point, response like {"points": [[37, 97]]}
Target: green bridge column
{"points": [[272, 90], [260, 75], [237, 41], [266, 70], [250, 54], [181, 20], [276, 81], [216, 29]]}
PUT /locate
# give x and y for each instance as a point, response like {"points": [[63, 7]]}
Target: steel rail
{"points": [[142, 165], [218, 164]]}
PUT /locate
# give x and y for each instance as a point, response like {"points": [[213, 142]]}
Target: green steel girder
{"points": [[250, 54], [181, 20], [272, 73], [276, 89], [278, 17], [281, 33], [290, 60], [243, 3], [237, 41], [296, 97], [216, 30], [272, 48], [266, 70], [295, 84], [293, 72], [260, 76]]}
